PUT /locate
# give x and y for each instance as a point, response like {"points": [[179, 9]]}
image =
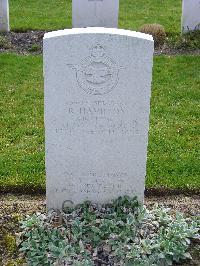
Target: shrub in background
{"points": [[157, 31]]}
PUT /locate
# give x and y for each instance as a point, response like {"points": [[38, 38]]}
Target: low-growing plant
{"points": [[34, 48], [121, 233], [16, 262], [187, 41], [10, 243], [4, 43]]}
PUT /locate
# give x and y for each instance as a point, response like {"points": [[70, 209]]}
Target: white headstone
{"points": [[95, 13], [4, 16], [97, 103], [190, 15]]}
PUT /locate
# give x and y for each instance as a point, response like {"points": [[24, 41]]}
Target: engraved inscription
{"points": [[97, 118], [94, 183], [97, 74]]}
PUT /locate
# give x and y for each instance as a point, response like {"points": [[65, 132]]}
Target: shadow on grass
{"points": [[149, 192]]}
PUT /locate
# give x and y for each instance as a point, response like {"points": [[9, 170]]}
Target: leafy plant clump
{"points": [[187, 41], [34, 48], [121, 233]]}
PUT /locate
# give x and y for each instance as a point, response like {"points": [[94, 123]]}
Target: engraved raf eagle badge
{"points": [[97, 74]]}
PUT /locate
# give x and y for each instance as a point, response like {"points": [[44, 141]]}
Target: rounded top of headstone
{"points": [[98, 30]]}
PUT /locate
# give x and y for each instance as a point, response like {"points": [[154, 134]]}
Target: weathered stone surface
{"points": [[95, 13], [190, 15], [97, 101], [4, 16]]}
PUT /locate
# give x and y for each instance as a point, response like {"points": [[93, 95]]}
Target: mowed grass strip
{"points": [[53, 14], [21, 121], [174, 142], [174, 136], [40, 15]]}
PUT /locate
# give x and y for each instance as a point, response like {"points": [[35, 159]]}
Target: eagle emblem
{"points": [[97, 74]]}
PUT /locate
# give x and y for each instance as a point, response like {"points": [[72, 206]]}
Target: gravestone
{"points": [[95, 13], [190, 15], [97, 103], [4, 16]]}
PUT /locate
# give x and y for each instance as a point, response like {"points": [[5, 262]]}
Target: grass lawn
{"points": [[174, 142], [21, 121], [53, 14], [174, 139]]}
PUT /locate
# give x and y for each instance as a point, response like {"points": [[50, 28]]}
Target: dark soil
{"points": [[14, 208], [31, 43], [149, 192], [22, 42]]}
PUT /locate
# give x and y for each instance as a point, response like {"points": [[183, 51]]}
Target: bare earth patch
{"points": [[13, 208], [30, 42]]}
